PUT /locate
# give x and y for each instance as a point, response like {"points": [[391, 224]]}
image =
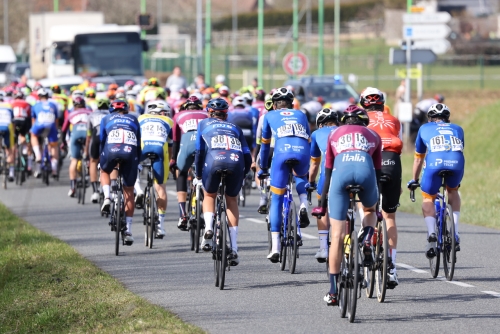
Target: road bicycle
{"points": [[21, 162], [150, 214], [82, 172], [446, 243], [117, 221], [4, 168], [265, 187], [194, 211], [245, 189]]}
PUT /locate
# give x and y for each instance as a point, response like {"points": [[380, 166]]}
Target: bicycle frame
{"points": [[288, 198], [440, 213]]}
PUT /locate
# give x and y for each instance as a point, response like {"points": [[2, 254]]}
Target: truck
{"points": [[7, 57], [51, 44]]}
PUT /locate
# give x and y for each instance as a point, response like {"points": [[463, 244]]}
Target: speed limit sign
{"points": [[295, 63]]}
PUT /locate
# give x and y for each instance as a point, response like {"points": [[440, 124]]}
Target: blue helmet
{"points": [[217, 104], [118, 105]]}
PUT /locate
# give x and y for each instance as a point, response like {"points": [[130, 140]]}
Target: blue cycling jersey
{"points": [[245, 119], [121, 133], [44, 113], [6, 116], [319, 142]]}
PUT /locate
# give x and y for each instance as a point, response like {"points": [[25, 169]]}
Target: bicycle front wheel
{"points": [[84, 181], [147, 217], [5, 170], [353, 269], [449, 244], [200, 224], [382, 259], [434, 262], [224, 248], [152, 213], [370, 272], [118, 211], [284, 246], [293, 238], [343, 277]]}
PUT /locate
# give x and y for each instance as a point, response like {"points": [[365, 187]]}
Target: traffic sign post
{"points": [[295, 65]]}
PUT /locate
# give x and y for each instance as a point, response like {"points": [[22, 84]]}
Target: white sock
{"points": [[137, 187], [431, 225], [233, 233], [323, 239], [303, 200], [361, 214], [38, 154], [209, 220], [393, 256], [129, 224], [105, 190], [275, 237], [11, 171], [161, 217], [54, 163], [456, 217]]}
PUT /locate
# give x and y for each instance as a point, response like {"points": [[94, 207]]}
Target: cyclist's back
{"points": [[185, 127], [242, 117]]}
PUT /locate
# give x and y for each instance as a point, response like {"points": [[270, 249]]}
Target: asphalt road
{"points": [[259, 298]]}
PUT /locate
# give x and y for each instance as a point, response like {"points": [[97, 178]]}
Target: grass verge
{"points": [[479, 188], [47, 287]]}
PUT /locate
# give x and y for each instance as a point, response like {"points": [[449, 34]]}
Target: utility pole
{"points": [[336, 51], [260, 51], [295, 34], [235, 25], [199, 32], [5, 22], [321, 20], [56, 6], [208, 41], [407, 80]]}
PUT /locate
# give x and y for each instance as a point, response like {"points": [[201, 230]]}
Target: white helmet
{"points": [[131, 95], [326, 115], [282, 93], [43, 92], [220, 79], [159, 106], [239, 101], [76, 93]]}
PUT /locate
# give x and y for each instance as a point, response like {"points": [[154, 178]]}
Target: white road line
{"points": [[440, 278], [465, 285], [171, 192], [308, 236], [420, 271], [493, 293], [255, 220]]}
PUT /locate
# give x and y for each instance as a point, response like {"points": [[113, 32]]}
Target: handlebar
{"points": [[412, 191]]}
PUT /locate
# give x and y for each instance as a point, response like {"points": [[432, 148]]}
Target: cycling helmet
{"points": [[248, 97], [239, 101], [118, 105], [220, 79], [42, 92], [131, 95], [282, 93], [372, 99], [439, 98], [440, 110], [55, 89], [26, 91], [129, 84], [103, 103], [90, 93], [19, 94], [184, 93], [326, 115], [224, 91], [198, 95], [9, 91], [76, 93], [120, 96], [217, 105], [159, 108], [153, 82], [260, 94], [357, 114], [79, 101], [167, 91], [192, 101]]}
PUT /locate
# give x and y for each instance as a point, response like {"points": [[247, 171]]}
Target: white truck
{"points": [[7, 56], [51, 38]]}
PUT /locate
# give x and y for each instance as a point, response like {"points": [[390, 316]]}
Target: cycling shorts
{"points": [[391, 191], [160, 165], [221, 160], [22, 126], [95, 146], [8, 136], [128, 167], [280, 171], [353, 173], [77, 143], [431, 181], [49, 130], [185, 158]]}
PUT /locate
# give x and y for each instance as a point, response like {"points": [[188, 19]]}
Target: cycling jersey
{"points": [[22, 116], [6, 126], [244, 118], [319, 141], [184, 136], [353, 154], [62, 101], [220, 145], [260, 106], [388, 128], [156, 136], [45, 114], [444, 144], [76, 122], [94, 131], [120, 138]]}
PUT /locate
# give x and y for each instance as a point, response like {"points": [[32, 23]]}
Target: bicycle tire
{"points": [[146, 217], [354, 261], [4, 169], [293, 238], [449, 244], [342, 285], [216, 256], [224, 262], [370, 272], [84, 181], [78, 185], [191, 217], [152, 221], [434, 262], [118, 210], [200, 224], [283, 252], [17, 168], [382, 269], [23, 169]]}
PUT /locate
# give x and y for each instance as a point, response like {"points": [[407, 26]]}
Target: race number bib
{"points": [[456, 144], [153, 131], [5, 118], [438, 144], [20, 112], [344, 143], [225, 143], [289, 130], [190, 125], [80, 127], [121, 136], [361, 143], [46, 117]]}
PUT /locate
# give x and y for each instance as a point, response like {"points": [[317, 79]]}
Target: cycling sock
{"points": [[95, 187], [431, 225], [72, 184], [182, 209], [303, 200], [129, 224], [323, 239], [161, 217], [393, 256], [456, 217], [36, 150], [333, 283], [233, 233], [361, 214], [276, 212], [105, 190], [209, 220], [275, 237], [54, 163]]}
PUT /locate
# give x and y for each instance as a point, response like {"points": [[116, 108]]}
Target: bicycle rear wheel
{"points": [[284, 246], [343, 279], [200, 223], [353, 268], [118, 211], [449, 244], [370, 272], [18, 165], [4, 169], [152, 220], [382, 259], [434, 262], [191, 222], [224, 247], [293, 238], [216, 254], [147, 217], [84, 181]]}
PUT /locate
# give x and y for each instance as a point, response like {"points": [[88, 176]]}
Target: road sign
{"points": [[405, 112], [426, 31], [398, 56], [415, 73], [438, 46], [295, 64], [431, 18]]}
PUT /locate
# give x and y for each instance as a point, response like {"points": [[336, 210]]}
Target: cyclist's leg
{"points": [[323, 225], [94, 160], [300, 175], [107, 174], [128, 170], [185, 159], [210, 181], [160, 171], [54, 149], [452, 185], [75, 149], [232, 189], [35, 143], [10, 145], [430, 184]]}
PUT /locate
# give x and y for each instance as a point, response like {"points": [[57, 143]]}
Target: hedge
{"points": [[272, 18]]}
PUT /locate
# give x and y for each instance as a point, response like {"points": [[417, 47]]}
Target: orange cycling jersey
{"points": [[388, 128]]}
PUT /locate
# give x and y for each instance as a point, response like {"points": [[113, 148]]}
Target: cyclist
{"points": [[389, 129], [444, 143], [149, 92], [22, 123], [90, 99], [184, 147], [220, 145], [93, 143], [420, 112], [290, 129], [224, 93], [44, 120], [131, 97], [120, 137], [61, 99], [7, 133], [326, 122], [353, 157], [259, 102], [156, 137]]}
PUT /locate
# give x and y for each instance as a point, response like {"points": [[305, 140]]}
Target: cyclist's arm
{"points": [[266, 144], [200, 153], [176, 140], [246, 153], [329, 159], [315, 159], [102, 134], [418, 160]]}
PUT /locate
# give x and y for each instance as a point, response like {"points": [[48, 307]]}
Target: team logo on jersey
{"points": [[234, 157], [354, 158], [115, 148], [220, 156], [127, 149], [286, 113]]}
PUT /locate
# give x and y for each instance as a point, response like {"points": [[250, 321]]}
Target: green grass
{"points": [[47, 287], [480, 186]]}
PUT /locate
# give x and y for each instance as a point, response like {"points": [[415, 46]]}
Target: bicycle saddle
{"points": [[224, 172], [292, 162], [152, 156], [354, 188], [445, 173]]}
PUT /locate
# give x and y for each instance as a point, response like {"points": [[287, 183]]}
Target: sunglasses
{"points": [[371, 98]]}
